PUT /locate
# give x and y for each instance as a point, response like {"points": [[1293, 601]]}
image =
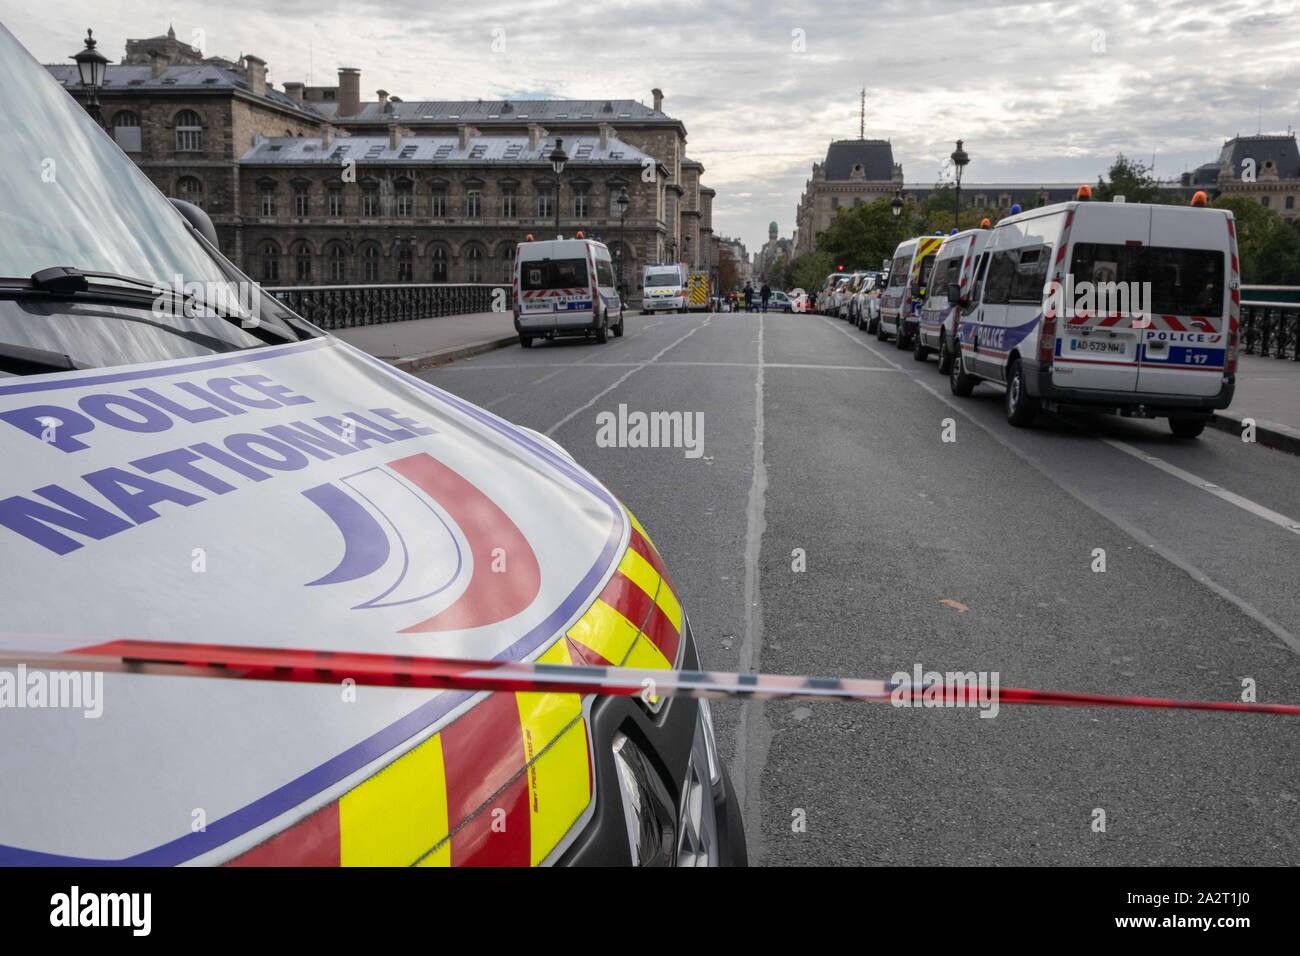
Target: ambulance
{"points": [[565, 287], [955, 264], [697, 284], [1125, 307], [664, 289], [229, 483], [902, 297]]}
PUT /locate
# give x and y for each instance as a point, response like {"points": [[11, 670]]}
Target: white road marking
{"points": [[624, 377], [753, 735], [1245, 504]]}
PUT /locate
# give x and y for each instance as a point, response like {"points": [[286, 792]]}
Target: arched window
{"points": [[302, 262], [338, 257], [370, 263], [126, 130], [190, 189], [439, 258], [270, 256], [506, 260], [189, 132], [474, 264]]}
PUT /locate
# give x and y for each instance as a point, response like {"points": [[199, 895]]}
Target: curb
{"points": [[415, 363], [1269, 434]]}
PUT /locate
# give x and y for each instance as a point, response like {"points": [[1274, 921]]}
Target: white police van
{"points": [[908, 274], [1127, 307], [565, 287], [954, 265], [664, 289]]}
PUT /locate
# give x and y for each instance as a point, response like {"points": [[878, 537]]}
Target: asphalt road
{"points": [[817, 437]]}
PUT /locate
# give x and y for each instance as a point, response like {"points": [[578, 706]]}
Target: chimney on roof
{"points": [[464, 134], [349, 91], [255, 74], [606, 134], [536, 134], [157, 63], [395, 134], [294, 92], [327, 135], [383, 100], [658, 95]]}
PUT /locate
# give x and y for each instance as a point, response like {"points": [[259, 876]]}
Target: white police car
{"points": [[221, 477]]}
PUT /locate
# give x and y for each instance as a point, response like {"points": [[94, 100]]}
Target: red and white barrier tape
{"points": [[386, 670]]}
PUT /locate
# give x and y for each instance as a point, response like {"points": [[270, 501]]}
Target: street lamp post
{"points": [[959, 161], [621, 202], [896, 204], [558, 158], [91, 66]]}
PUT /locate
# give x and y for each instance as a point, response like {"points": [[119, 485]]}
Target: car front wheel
{"points": [[959, 382]]}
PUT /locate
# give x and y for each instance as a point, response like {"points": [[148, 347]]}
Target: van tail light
{"points": [[1230, 366], [1047, 334], [1047, 339]]}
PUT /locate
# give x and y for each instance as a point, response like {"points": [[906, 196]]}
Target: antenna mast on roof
{"points": [[862, 115]]}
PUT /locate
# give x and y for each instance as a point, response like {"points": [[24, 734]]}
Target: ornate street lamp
{"points": [[558, 158], [959, 161], [896, 204], [621, 202], [91, 66]]}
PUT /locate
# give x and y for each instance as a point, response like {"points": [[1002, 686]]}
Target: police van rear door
{"points": [[1100, 331], [1183, 351]]}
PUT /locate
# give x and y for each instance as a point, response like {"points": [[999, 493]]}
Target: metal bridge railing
{"points": [[348, 306], [1270, 327]]}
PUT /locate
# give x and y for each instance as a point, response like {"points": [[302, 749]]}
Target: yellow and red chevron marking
{"points": [[505, 781]]}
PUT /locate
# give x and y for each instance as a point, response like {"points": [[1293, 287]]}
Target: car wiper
{"points": [[25, 360], [61, 281]]}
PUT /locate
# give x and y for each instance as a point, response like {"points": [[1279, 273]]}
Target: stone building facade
{"points": [[855, 171], [1264, 167], [410, 190]]}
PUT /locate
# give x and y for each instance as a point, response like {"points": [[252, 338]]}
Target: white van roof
{"points": [[557, 248], [955, 242], [1075, 204]]}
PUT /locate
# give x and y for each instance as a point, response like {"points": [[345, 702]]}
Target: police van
{"points": [[908, 273], [954, 264], [665, 289], [565, 287], [1127, 307]]}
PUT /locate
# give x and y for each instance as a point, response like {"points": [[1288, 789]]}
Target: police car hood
{"points": [[303, 496]]}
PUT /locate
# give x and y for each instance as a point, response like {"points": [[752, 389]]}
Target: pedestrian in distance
{"points": [[765, 294], [749, 297]]}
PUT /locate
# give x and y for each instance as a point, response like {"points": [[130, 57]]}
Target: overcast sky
{"points": [[1038, 91]]}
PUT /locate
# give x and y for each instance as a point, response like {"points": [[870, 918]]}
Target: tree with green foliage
{"points": [[809, 271], [1268, 246], [1132, 179]]}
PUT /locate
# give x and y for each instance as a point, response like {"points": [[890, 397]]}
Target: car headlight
{"points": [[710, 743], [697, 821], [647, 808]]}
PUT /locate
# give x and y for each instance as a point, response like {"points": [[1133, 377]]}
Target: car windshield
{"points": [[74, 199], [663, 278]]}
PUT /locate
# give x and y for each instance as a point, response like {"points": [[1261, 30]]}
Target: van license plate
{"points": [[1099, 346]]}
